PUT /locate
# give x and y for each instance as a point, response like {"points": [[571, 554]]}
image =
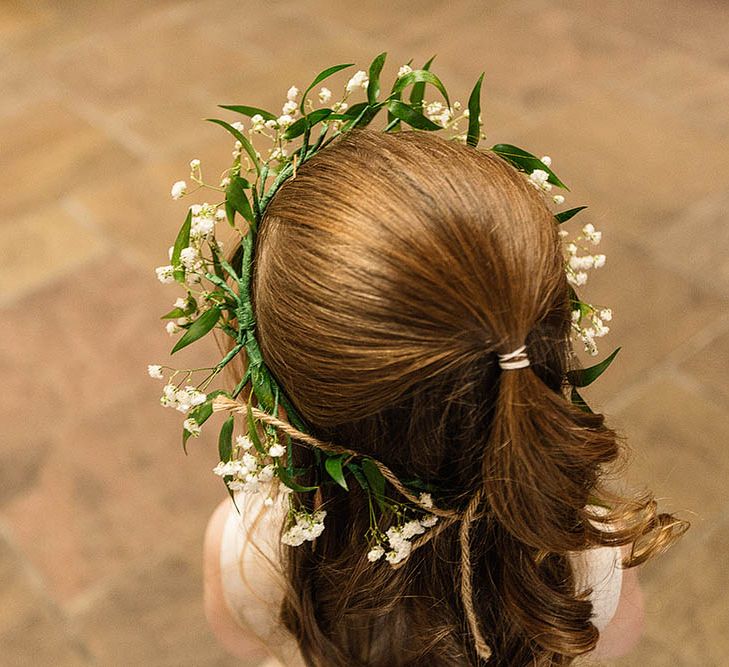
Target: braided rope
{"points": [[223, 403], [482, 648]]}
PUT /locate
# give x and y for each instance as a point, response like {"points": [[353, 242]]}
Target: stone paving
{"points": [[101, 515]]}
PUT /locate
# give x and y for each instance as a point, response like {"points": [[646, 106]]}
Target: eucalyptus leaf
{"points": [[198, 328], [579, 401], [417, 92], [247, 145], [474, 111], [252, 430], [288, 480], [413, 118], [373, 84], [319, 78], [182, 241], [421, 75], [526, 161], [249, 111], [173, 314], [235, 194], [564, 216], [297, 128], [225, 440], [333, 465], [585, 376], [375, 480]]}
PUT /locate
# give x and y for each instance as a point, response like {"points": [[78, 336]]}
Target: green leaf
{"points": [[333, 465], [284, 476], [357, 474], [474, 110], [298, 127], [413, 118], [319, 78], [373, 85], [235, 194], [198, 328], [585, 376], [252, 430], [240, 137], [564, 216], [418, 90], [526, 161], [375, 480], [417, 76], [579, 401], [182, 241], [248, 111], [174, 313], [200, 414], [225, 439]]}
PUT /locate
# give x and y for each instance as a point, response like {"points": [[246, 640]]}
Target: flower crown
{"points": [[249, 462]]}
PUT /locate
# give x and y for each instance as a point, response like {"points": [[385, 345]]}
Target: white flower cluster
{"points": [[577, 265], [250, 468], [539, 179], [399, 537], [305, 527], [597, 330], [181, 399], [359, 80]]}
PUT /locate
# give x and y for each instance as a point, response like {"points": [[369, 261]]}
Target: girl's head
{"points": [[388, 276]]}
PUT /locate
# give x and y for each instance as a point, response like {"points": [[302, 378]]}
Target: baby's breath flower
{"points": [[289, 108], [189, 257], [172, 328], [238, 126], [165, 274], [426, 500], [558, 199], [429, 520], [606, 314], [292, 93], [257, 123], [375, 553], [411, 529], [179, 189], [538, 178], [404, 69], [181, 303], [225, 468], [546, 160], [325, 95], [285, 120], [271, 124], [277, 450], [154, 371], [340, 107], [194, 164], [192, 427], [359, 80], [243, 441]]}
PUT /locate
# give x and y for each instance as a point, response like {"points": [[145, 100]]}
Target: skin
{"points": [[618, 639]]}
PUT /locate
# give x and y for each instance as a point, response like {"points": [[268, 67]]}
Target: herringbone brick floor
{"points": [[101, 515]]}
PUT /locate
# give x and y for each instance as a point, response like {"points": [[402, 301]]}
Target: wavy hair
{"points": [[388, 274]]}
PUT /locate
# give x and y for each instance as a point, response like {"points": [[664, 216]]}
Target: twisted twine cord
{"points": [[482, 648], [448, 517]]}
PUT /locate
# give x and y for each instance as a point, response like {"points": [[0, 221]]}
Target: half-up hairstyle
{"points": [[388, 276]]}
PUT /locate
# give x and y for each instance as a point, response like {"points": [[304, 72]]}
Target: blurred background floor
{"points": [[101, 514]]}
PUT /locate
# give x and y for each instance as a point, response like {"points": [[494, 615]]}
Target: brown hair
{"points": [[388, 274]]}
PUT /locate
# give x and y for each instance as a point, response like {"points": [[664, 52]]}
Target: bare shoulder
{"points": [[626, 627], [229, 632]]}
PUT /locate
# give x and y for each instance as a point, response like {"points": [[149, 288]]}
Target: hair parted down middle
{"points": [[389, 275]]}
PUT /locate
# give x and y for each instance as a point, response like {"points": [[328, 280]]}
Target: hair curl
{"points": [[388, 273]]}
